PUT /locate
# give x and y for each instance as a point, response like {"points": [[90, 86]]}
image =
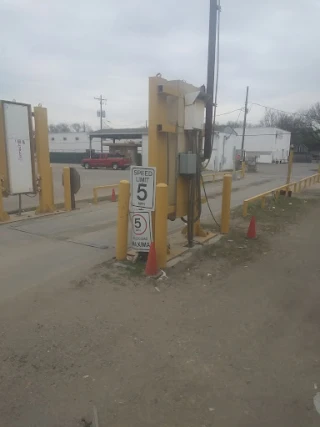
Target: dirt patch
{"points": [[227, 339]]}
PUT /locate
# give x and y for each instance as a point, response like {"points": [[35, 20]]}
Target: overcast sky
{"points": [[63, 53]]}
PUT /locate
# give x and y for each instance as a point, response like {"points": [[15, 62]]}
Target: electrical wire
{"points": [[280, 111], [230, 112], [210, 210]]}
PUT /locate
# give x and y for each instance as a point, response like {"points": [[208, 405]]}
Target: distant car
{"points": [[106, 160]]}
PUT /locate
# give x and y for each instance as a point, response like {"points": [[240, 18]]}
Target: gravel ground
{"points": [[229, 339]]}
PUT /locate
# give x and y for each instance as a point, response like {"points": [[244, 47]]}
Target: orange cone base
{"points": [[151, 267], [113, 196], [252, 229]]}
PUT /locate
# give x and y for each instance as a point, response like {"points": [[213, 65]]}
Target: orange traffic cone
{"points": [[113, 196], [151, 267], [252, 229]]}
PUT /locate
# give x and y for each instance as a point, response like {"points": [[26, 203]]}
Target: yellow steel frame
{"points": [[46, 195]]}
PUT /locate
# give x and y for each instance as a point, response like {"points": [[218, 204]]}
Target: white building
{"points": [[72, 142], [270, 145]]}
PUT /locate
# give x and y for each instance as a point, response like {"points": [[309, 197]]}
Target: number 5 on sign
{"points": [[143, 187]]}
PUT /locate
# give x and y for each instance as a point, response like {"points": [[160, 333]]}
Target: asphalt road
{"points": [[89, 179], [95, 177], [54, 248]]}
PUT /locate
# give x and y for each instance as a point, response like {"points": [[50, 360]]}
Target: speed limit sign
{"points": [[141, 231], [143, 187]]}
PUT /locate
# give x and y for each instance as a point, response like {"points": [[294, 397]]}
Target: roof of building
{"points": [[126, 133], [122, 144]]}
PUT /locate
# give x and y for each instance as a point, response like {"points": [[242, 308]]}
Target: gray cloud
{"points": [[63, 53]]}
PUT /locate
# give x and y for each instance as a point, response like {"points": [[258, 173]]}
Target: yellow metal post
{"points": [[290, 166], [67, 189], [95, 196], [3, 155], [122, 223], [263, 202], [226, 200], [46, 196], [243, 169], [245, 209], [161, 225], [3, 214]]}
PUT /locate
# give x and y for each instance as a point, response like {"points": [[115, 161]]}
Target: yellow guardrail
{"points": [[213, 176], [295, 187], [102, 187]]}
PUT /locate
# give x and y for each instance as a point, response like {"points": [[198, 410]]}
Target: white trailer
{"points": [[270, 145]]}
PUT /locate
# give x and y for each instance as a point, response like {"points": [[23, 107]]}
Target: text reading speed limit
{"points": [[143, 187]]}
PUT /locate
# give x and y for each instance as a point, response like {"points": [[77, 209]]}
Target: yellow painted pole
{"points": [[226, 200], [122, 223], [95, 196], [3, 214], [245, 208], [46, 195], [67, 189], [161, 225], [295, 187], [290, 162], [243, 169], [3, 154], [263, 202]]}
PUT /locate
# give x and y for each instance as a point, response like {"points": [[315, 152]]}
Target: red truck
{"points": [[104, 160]]}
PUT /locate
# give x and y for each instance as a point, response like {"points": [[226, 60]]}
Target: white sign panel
{"points": [[18, 148], [143, 187], [141, 231]]}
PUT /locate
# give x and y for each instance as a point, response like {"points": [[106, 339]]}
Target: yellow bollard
{"points": [[161, 225], [67, 189], [245, 209], [95, 196], [46, 195], [263, 202], [290, 166], [243, 169], [226, 199], [3, 214], [122, 223]]}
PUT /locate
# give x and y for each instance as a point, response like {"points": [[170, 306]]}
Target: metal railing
{"points": [[102, 187], [295, 187], [215, 176]]}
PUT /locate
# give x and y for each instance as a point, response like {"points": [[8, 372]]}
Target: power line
{"points": [[230, 112], [101, 99], [280, 111]]}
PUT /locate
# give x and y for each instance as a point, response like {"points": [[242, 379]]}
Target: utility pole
{"points": [[244, 124], [210, 77], [101, 99]]}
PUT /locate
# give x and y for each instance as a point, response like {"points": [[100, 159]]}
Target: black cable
{"points": [[230, 112], [205, 194]]}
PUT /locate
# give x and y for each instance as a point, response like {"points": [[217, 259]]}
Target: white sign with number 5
{"points": [[143, 187], [141, 231]]}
